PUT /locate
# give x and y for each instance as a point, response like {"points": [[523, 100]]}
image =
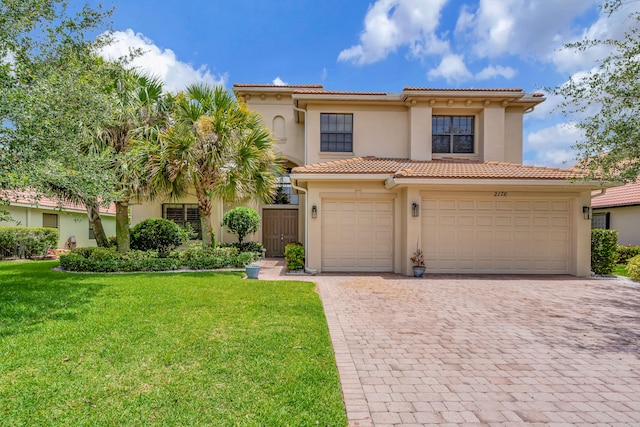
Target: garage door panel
{"points": [[487, 235], [362, 235]]}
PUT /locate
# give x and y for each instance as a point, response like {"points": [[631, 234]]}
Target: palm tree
{"points": [[216, 146], [139, 110]]}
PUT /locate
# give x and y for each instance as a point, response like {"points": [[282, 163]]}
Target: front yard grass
{"points": [[621, 270], [171, 349]]}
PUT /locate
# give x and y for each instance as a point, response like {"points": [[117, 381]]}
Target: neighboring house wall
{"points": [[625, 219], [69, 224]]}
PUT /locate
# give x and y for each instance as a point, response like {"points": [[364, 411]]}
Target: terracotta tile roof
{"points": [[31, 198], [430, 89], [257, 85], [445, 168], [337, 92], [626, 195]]}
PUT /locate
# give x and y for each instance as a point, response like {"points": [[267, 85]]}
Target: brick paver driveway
{"points": [[492, 350]]}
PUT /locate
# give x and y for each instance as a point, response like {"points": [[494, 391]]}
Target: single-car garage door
{"points": [[496, 235], [357, 235]]}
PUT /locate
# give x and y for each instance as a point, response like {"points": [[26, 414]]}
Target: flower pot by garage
{"points": [[418, 271], [252, 271]]}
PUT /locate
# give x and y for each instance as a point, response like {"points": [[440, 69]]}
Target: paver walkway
{"points": [[492, 350]]}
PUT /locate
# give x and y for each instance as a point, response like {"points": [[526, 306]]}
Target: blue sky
{"points": [[381, 45]]}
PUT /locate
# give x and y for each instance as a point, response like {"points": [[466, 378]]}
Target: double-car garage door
{"points": [[460, 234], [496, 234]]}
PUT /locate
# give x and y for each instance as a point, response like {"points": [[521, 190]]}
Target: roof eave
{"points": [[392, 182]]}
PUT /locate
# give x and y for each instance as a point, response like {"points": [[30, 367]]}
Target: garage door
{"points": [[357, 235], [477, 235]]}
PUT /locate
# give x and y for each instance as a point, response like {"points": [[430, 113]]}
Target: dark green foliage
{"points": [[280, 197], [625, 253], [256, 247], [105, 260], [603, 250], [25, 242], [633, 267], [241, 221], [294, 256], [158, 234]]}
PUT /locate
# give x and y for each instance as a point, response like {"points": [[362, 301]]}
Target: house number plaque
{"points": [[499, 194]]}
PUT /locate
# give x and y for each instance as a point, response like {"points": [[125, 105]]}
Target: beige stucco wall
{"points": [[625, 219], [69, 223]]}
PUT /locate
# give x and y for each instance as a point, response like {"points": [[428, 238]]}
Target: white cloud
{"points": [[390, 24], [531, 28], [491, 72], [159, 62], [279, 82], [552, 146], [451, 68]]}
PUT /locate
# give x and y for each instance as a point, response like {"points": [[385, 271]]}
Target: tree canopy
{"points": [[607, 102]]}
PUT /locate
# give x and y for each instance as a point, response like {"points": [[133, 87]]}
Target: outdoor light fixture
{"points": [[586, 212], [415, 209], [314, 211]]}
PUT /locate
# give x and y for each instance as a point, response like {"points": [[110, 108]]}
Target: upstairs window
{"points": [[336, 132], [452, 134]]}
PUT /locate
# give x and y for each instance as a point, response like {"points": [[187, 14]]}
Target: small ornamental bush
{"points": [[158, 234], [633, 267], [27, 242], [241, 221], [603, 250], [625, 253], [256, 247], [294, 256]]}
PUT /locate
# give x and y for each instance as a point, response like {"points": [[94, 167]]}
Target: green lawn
{"points": [[620, 270], [165, 349]]}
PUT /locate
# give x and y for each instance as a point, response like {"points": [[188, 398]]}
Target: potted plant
{"points": [[417, 259]]}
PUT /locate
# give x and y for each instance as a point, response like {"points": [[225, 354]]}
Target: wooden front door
{"points": [[280, 227]]}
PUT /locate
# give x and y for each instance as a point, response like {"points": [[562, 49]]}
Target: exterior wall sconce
{"points": [[314, 211], [415, 210], [586, 212]]}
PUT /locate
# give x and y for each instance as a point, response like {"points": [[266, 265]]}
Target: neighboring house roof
{"points": [[32, 199], [445, 168], [627, 195]]}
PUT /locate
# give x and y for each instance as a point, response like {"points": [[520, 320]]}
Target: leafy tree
{"points": [[241, 221], [609, 95], [217, 147]]}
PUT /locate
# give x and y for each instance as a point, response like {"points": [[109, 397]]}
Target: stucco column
{"points": [[413, 234], [420, 131], [582, 240]]}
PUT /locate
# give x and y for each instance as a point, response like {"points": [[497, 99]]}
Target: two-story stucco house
{"points": [[374, 174]]}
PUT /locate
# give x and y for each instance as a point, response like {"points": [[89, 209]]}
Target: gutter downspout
{"points": [[306, 229], [306, 199], [601, 193]]}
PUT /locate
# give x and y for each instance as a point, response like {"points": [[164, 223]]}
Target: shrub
{"points": [[158, 234], [633, 267], [26, 242], [241, 221], [625, 253], [294, 256], [603, 250], [245, 246]]}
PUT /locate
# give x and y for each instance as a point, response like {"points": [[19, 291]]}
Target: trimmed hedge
{"points": [[633, 267], [27, 242], [158, 234], [256, 247], [625, 253], [103, 260], [294, 256], [603, 250]]}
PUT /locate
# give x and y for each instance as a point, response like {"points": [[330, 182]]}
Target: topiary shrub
{"points": [[241, 221], [158, 234], [294, 256], [633, 267], [603, 250], [625, 253]]}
